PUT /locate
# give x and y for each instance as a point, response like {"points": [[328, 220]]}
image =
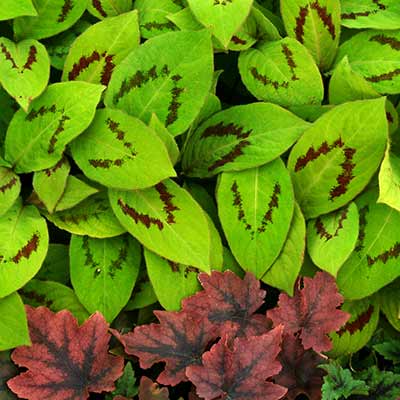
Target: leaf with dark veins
{"points": [[65, 361], [148, 390]]}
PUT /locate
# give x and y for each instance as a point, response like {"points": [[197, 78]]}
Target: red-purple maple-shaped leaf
{"points": [[229, 303], [65, 360], [312, 311], [239, 371], [179, 340], [300, 373], [148, 390]]}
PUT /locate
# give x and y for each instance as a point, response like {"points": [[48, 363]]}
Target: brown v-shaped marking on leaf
{"points": [[66, 9], [99, 7], [359, 323], [290, 61], [354, 15], [174, 104], [8, 185], [116, 265], [30, 60], [362, 222], [321, 229], [50, 171], [39, 113], [166, 198], [26, 251], [387, 76], [393, 252], [267, 81], [154, 25], [89, 260], [175, 267], [145, 219], [389, 40]]}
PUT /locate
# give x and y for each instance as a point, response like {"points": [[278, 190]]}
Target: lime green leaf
{"points": [[389, 180], [143, 296], [389, 301], [108, 8], [56, 265], [335, 159], [95, 54], [37, 140], [24, 70], [10, 186], [11, 9]]}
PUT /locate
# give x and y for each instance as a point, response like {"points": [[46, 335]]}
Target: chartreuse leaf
{"points": [[316, 24], [93, 217], [108, 8], [283, 72], [120, 151], [55, 296], [37, 140], [95, 53], [382, 14], [223, 17], [10, 186], [374, 262], [50, 183], [53, 17], [335, 159], [24, 70], [11, 9], [104, 271], [56, 264], [376, 56], [389, 180], [23, 248], [332, 237], [389, 301], [167, 221], [255, 207], [241, 137], [286, 268], [13, 324], [358, 330], [169, 75]]}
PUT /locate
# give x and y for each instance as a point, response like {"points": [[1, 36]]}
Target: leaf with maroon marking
{"points": [[100, 48], [49, 184], [335, 159], [316, 24], [358, 330], [312, 312], [179, 340], [25, 247], [375, 260], [120, 151], [104, 271], [376, 56], [376, 14], [241, 137], [109, 8], [52, 18], [12, 9], [174, 87], [240, 370], [282, 72], [65, 361], [332, 237], [255, 207], [55, 119], [24, 70], [10, 186], [167, 221]]}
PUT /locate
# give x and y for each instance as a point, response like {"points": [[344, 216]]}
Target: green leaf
{"points": [[286, 268], [335, 159], [241, 137], [126, 385], [93, 217], [389, 180], [282, 72], [56, 265], [316, 24], [109, 8], [24, 70], [339, 383], [389, 301], [389, 350], [104, 272], [56, 118], [374, 262], [143, 296], [97, 51], [11, 9], [169, 75], [167, 221], [255, 207], [50, 183], [332, 237], [375, 55], [10, 186], [223, 17], [382, 14], [53, 17], [24, 248], [13, 323], [55, 296], [120, 151]]}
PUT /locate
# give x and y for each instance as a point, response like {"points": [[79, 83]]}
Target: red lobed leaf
{"points": [[148, 390], [65, 360], [179, 340], [229, 303], [240, 371], [312, 311]]}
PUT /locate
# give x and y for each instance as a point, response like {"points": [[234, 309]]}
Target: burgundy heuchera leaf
{"points": [[65, 361], [239, 371], [148, 390], [312, 312]]}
